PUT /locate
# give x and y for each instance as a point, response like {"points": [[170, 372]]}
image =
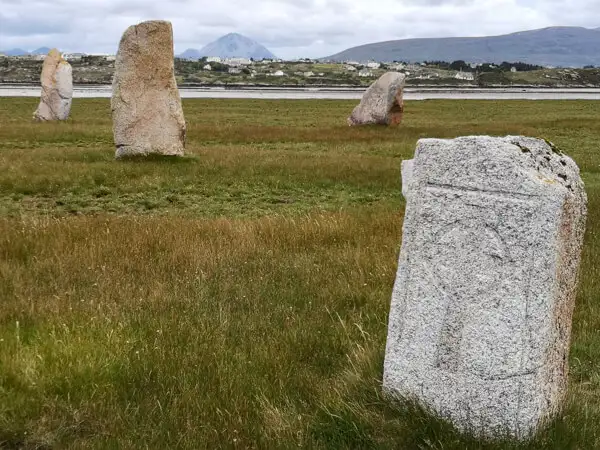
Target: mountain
{"points": [[554, 46], [41, 51], [190, 53], [21, 52], [232, 45], [15, 52]]}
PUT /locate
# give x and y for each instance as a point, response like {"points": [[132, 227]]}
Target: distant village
{"points": [[235, 66], [215, 71]]}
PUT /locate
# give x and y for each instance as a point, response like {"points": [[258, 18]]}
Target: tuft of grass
{"points": [[238, 297]]}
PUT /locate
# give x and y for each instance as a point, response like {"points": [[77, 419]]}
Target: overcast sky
{"points": [[289, 28]]}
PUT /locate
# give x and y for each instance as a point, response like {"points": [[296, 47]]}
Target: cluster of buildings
{"points": [[238, 65], [366, 70], [67, 56], [279, 68], [371, 69]]}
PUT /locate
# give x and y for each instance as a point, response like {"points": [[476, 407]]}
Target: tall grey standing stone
{"points": [[146, 106], [382, 103], [480, 320], [57, 88]]}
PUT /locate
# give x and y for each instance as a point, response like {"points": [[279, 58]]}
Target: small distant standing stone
{"points": [[382, 103], [146, 106], [480, 321], [57, 88]]}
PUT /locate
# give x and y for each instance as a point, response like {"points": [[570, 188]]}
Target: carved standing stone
{"points": [[480, 321], [382, 103], [146, 106], [57, 88]]}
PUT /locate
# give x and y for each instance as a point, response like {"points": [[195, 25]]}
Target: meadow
{"points": [[238, 297]]}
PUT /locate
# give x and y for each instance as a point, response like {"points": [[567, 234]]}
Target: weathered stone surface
{"points": [[407, 175], [481, 311], [146, 107], [382, 103], [57, 88]]}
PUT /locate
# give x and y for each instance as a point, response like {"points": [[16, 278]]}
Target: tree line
{"points": [[463, 66]]}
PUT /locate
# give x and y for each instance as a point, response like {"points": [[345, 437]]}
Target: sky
{"points": [[289, 28]]}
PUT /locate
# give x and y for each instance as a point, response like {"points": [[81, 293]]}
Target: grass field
{"points": [[237, 298]]}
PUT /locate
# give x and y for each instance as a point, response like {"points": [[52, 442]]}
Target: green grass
{"points": [[238, 297]]}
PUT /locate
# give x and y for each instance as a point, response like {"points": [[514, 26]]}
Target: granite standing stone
{"points": [[480, 321], [57, 88], [146, 107], [382, 103]]}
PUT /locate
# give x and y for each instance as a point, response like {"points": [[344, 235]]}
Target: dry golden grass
{"points": [[237, 298]]}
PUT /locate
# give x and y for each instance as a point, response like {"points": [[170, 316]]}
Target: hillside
{"points": [[14, 52], [21, 52], [232, 45], [190, 53], [99, 70], [41, 51], [554, 46]]}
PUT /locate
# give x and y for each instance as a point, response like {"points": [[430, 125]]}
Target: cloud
{"points": [[14, 26], [289, 28]]}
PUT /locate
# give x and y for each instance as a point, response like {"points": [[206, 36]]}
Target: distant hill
{"points": [[190, 53], [41, 51], [232, 45], [554, 46], [21, 52], [15, 52]]}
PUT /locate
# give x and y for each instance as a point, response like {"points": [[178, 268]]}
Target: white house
{"points": [[373, 65], [73, 56], [513, 69], [397, 67], [234, 71], [207, 67], [279, 73], [214, 59], [237, 62], [351, 68], [365, 73], [466, 76]]}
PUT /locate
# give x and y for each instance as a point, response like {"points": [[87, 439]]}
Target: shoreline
{"points": [[333, 92], [340, 87]]}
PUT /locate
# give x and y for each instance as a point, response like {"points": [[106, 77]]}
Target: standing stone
{"points": [[57, 88], [146, 107], [481, 311], [382, 103]]}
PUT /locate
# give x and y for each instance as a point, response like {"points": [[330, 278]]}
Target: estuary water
{"points": [[411, 93]]}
